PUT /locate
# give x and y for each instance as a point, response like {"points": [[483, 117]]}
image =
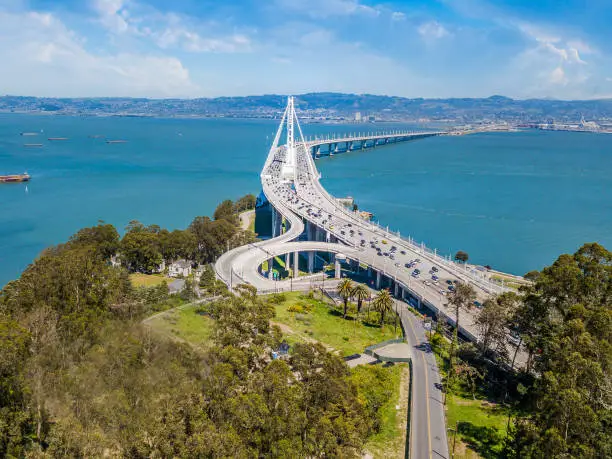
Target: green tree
{"points": [[361, 293], [462, 256], [247, 202], [566, 321], [345, 290], [140, 251], [103, 237], [225, 210], [460, 299], [492, 322], [383, 303]]}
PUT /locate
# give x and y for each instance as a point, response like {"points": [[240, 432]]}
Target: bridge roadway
{"points": [[363, 141]]}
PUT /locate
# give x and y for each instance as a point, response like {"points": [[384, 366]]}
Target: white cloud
{"points": [[49, 59], [398, 16], [166, 30], [328, 8], [432, 30], [112, 15]]}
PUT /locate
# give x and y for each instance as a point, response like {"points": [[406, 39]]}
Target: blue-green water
{"points": [[513, 200]]}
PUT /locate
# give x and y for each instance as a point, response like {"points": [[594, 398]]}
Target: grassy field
{"points": [[184, 324], [481, 426], [391, 440], [307, 319], [146, 280]]}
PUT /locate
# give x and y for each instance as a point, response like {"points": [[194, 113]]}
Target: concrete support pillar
{"points": [[327, 236], [270, 268], [311, 259], [396, 289], [337, 269], [378, 279], [369, 271], [288, 262], [274, 218], [296, 264]]}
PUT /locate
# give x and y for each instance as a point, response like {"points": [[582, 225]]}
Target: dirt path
{"points": [[246, 218]]}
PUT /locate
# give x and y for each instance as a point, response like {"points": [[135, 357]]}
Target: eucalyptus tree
{"points": [[461, 298]]}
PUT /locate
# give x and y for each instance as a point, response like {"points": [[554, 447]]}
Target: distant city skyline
{"points": [[207, 48]]}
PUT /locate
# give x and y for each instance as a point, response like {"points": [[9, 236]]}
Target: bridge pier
{"points": [[274, 219], [270, 268], [378, 279], [296, 264], [396, 289], [311, 258], [337, 268]]}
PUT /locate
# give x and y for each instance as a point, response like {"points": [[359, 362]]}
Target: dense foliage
{"points": [[565, 320], [80, 376]]}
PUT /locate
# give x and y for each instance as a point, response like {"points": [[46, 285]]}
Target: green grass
{"points": [[390, 440], [481, 426], [325, 324], [184, 324], [146, 280]]}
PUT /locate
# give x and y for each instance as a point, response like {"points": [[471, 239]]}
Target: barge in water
{"points": [[25, 177]]}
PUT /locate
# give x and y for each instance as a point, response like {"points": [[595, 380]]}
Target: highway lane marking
{"points": [[426, 388]]}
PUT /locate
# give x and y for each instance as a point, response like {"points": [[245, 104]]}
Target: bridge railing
{"points": [[474, 275]]}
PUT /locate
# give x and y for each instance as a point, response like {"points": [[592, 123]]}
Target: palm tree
{"points": [[360, 292], [462, 297], [383, 303], [345, 290]]}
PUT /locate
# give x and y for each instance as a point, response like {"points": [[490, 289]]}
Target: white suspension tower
{"points": [[290, 121]]}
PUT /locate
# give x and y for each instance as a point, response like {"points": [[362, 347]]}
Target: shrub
{"points": [[277, 298], [296, 308]]}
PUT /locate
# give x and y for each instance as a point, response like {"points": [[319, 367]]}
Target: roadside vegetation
{"points": [[544, 392]]}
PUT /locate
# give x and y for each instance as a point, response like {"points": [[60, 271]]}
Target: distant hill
{"points": [[326, 105]]}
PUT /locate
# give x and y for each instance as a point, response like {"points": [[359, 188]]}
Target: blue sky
{"points": [[203, 48]]}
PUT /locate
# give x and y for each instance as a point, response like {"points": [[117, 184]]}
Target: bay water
{"points": [[511, 200]]}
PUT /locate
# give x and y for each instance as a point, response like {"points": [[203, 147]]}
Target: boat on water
{"points": [[95, 136], [116, 141], [16, 178], [57, 138], [28, 134], [29, 145]]}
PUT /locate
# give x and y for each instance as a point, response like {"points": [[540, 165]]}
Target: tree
{"points": [[345, 290], [361, 293], [383, 303], [140, 251], [565, 319], [492, 322], [246, 202], [225, 210], [103, 237], [462, 256], [461, 298]]}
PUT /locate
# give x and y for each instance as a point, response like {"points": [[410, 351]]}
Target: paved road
{"points": [[428, 424]]}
